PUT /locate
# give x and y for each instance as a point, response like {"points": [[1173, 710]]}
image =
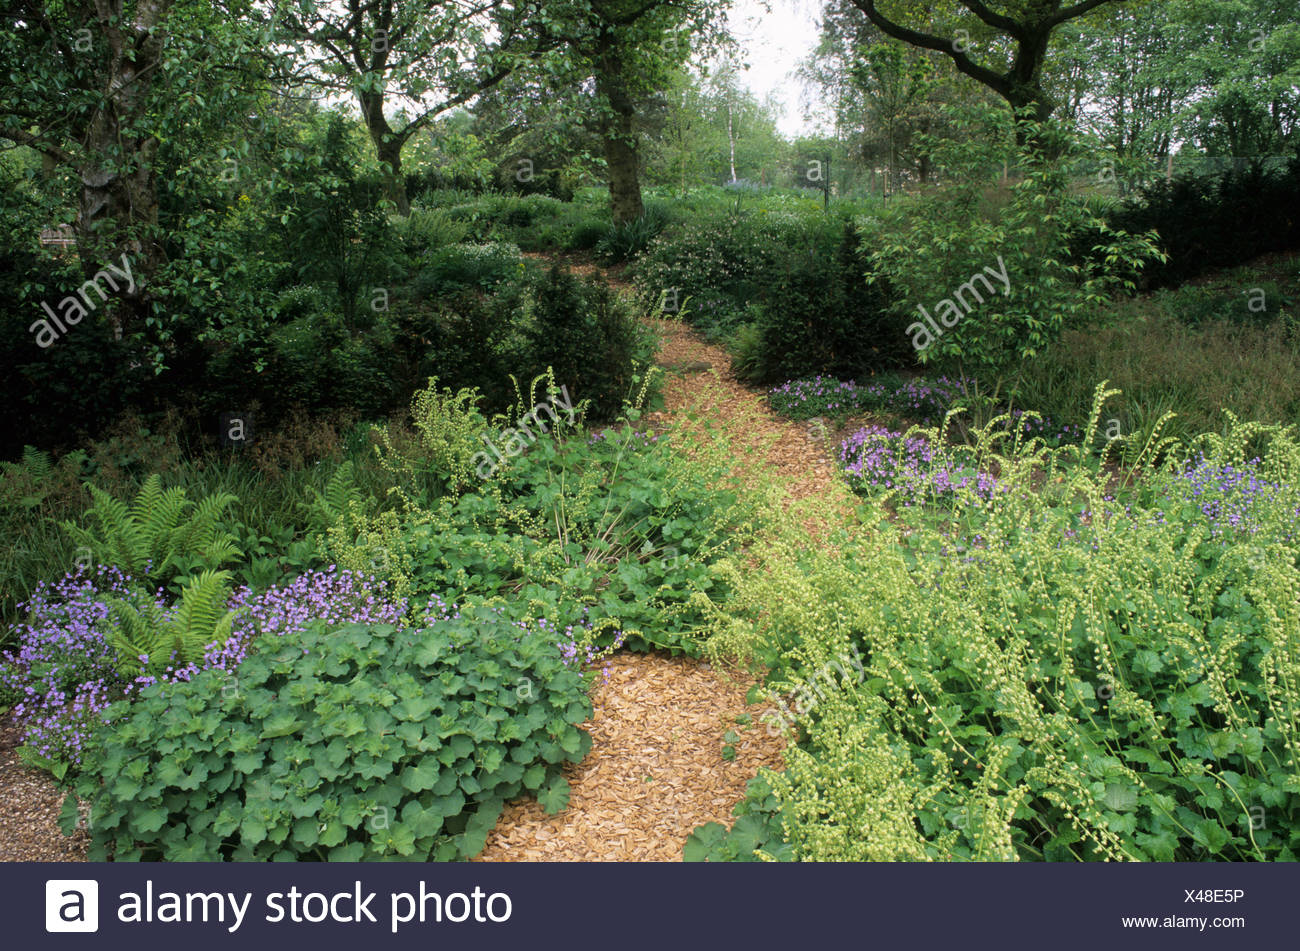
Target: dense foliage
{"points": [[332, 470], [341, 743], [1054, 670], [1209, 221]]}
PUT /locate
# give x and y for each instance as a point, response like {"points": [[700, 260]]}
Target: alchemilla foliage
{"points": [[341, 743]]}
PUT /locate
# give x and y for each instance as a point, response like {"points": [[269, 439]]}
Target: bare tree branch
{"points": [[928, 41]]}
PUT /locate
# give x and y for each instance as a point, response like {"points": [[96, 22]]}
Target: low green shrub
{"points": [[522, 321], [586, 334], [725, 261], [342, 744], [821, 316], [427, 230], [1236, 298]]}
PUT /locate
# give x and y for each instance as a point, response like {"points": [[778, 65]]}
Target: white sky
{"points": [[774, 43]]}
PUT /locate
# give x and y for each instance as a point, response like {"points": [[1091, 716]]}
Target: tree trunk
{"points": [[388, 148], [117, 225], [620, 142], [390, 156], [118, 205], [731, 140]]}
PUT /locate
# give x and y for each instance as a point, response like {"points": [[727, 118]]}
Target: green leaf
{"points": [[419, 778], [534, 776], [69, 815], [1120, 798], [281, 723], [555, 796], [149, 820], [1211, 836]]}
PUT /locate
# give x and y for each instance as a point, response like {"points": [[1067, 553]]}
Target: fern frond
{"points": [[119, 540], [341, 490], [157, 513], [137, 633], [37, 464], [201, 615]]}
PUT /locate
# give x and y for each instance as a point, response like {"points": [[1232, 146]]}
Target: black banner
{"points": [[195, 906]]}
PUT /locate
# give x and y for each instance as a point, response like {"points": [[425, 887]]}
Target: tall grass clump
{"points": [[1163, 365]]}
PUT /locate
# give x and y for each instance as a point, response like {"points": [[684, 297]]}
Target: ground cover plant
{"points": [[1056, 669], [341, 743]]}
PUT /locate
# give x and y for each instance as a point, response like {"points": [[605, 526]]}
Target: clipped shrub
{"points": [[821, 316], [1207, 222], [342, 744], [585, 333], [518, 327], [724, 262]]}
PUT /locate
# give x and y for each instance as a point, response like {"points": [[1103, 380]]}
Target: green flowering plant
{"points": [[1071, 668]]}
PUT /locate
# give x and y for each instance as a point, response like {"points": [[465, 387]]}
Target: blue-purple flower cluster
{"points": [[925, 401], [823, 396], [575, 649], [64, 672], [877, 459], [1232, 498]]}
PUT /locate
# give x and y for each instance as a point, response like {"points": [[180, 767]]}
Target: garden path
{"points": [[655, 770]]}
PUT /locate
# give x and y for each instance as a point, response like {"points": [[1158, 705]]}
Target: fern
{"points": [[160, 535], [339, 498], [26, 483], [36, 463], [147, 641]]}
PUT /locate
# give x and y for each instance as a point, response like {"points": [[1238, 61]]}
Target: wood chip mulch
{"points": [[655, 770], [29, 811], [799, 454]]}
